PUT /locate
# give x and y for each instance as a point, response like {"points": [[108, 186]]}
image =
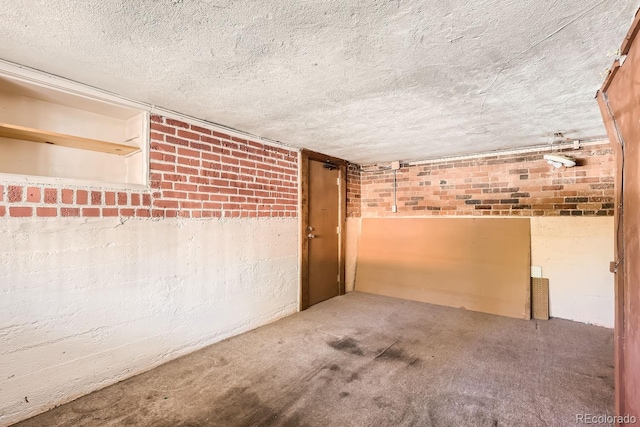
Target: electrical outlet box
{"points": [[394, 208], [395, 166]]}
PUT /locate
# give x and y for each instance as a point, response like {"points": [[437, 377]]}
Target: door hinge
{"points": [[338, 181], [338, 230], [338, 278]]}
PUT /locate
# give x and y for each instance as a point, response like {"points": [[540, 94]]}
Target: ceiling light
{"points": [[559, 161]]}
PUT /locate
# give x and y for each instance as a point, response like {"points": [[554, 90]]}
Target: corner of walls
{"points": [[571, 211], [354, 179], [574, 254]]}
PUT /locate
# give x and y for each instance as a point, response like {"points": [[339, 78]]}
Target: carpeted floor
{"points": [[367, 360]]}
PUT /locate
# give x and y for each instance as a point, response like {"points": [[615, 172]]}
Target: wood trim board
{"points": [[46, 137]]}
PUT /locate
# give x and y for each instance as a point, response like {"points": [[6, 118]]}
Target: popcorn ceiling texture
{"points": [[195, 173], [507, 185], [360, 80]]}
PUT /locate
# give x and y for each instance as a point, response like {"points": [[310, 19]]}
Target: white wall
{"points": [[574, 254], [86, 303]]}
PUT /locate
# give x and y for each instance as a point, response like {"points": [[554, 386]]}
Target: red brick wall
{"points": [[521, 185], [353, 190], [195, 172]]}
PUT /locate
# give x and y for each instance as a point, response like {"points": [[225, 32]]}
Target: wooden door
{"points": [[619, 101], [323, 203], [323, 232]]}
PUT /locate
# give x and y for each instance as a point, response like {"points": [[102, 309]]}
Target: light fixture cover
{"points": [[560, 160]]}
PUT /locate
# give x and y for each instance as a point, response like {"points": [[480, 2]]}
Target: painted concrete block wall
{"points": [[100, 284], [574, 254]]}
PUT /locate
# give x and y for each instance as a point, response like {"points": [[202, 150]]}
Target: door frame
{"points": [[617, 267], [305, 157]]}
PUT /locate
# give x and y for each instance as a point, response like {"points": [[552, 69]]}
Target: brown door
{"points": [[619, 101], [323, 203], [322, 231]]}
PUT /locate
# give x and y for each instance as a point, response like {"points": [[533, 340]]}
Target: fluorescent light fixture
{"points": [[559, 161]]}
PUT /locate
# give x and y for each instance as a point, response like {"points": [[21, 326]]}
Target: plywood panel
{"points": [[480, 264]]}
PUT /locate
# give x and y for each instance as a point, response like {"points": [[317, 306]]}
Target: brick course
{"points": [[195, 172], [507, 185]]}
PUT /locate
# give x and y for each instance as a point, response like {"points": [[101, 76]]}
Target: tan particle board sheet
{"points": [[481, 264]]}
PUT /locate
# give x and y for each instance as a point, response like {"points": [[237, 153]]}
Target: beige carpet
{"points": [[367, 360]]}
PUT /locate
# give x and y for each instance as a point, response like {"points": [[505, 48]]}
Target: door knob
{"points": [[310, 228], [311, 236]]}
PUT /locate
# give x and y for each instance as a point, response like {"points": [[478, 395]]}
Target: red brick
{"points": [[122, 198], [163, 147], [185, 187], [209, 140], [187, 170], [190, 205], [91, 212], [3, 211], [188, 161], [47, 212], [166, 204], [188, 135], [155, 136], [15, 194], [15, 211], [198, 196], [109, 212], [201, 129], [109, 198], [176, 123], [33, 195], [212, 157], [67, 196], [69, 211], [143, 213], [127, 212], [82, 197], [174, 194], [50, 195], [135, 199], [162, 128], [96, 197], [177, 141], [162, 167]]}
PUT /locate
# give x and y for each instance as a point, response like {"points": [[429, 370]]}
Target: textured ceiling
{"points": [[363, 80]]}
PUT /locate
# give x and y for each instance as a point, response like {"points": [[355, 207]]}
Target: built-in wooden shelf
{"points": [[36, 135]]}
